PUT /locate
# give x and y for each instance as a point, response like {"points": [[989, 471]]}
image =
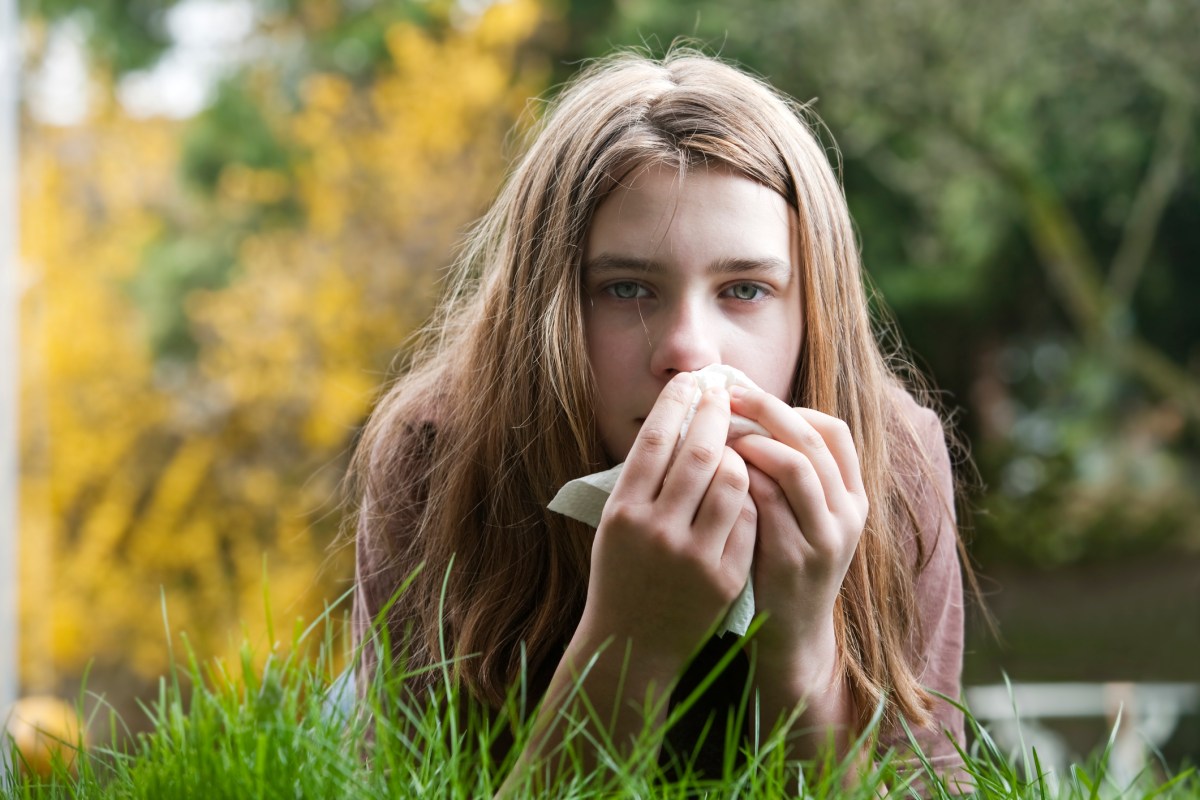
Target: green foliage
{"points": [[173, 267], [354, 43], [279, 727], [1023, 175], [124, 35], [233, 130], [1088, 469], [201, 353]]}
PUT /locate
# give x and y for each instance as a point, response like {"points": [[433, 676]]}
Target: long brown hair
{"points": [[463, 453]]}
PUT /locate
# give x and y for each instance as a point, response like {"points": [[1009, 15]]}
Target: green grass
{"points": [[264, 730]]}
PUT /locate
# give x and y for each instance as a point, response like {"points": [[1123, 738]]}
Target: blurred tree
{"points": [[1024, 176], [124, 35], [201, 352]]}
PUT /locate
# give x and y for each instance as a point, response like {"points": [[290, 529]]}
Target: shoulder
{"points": [[403, 427], [391, 472], [915, 428], [920, 460], [932, 546], [917, 439], [395, 453]]}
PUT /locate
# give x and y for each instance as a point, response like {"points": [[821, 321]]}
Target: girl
{"points": [[666, 216]]}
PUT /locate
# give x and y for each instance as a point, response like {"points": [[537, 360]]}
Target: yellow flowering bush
{"points": [[201, 477]]}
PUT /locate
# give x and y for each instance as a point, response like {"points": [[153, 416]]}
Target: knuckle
{"points": [[799, 470], [828, 547], [702, 454], [654, 541], [685, 556], [620, 514], [856, 508], [734, 476], [657, 545], [769, 492], [812, 440], [657, 438], [659, 531], [678, 392], [696, 558]]}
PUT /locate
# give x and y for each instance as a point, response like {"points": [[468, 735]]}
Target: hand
{"points": [[674, 546], [807, 486]]}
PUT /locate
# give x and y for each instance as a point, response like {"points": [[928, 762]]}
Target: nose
{"points": [[686, 340]]}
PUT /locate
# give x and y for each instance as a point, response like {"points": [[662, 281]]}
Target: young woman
{"points": [[667, 215]]}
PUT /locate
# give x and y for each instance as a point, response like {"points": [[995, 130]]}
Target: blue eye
{"points": [[746, 291], [626, 290]]}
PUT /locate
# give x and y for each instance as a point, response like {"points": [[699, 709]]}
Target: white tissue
{"points": [[583, 499], [720, 376]]}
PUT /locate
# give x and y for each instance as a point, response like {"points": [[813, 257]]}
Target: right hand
{"points": [[675, 542]]}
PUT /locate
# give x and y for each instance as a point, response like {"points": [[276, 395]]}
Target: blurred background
{"points": [[234, 213]]}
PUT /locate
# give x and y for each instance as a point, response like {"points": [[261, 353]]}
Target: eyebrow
{"points": [[606, 263]]}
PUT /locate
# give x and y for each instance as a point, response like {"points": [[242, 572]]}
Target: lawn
{"points": [[269, 727]]}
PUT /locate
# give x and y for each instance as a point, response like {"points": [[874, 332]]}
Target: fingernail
{"points": [[737, 391]]}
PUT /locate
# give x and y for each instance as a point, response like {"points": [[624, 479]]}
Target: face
{"points": [[684, 272]]}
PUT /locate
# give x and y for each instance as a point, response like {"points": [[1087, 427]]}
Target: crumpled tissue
{"points": [[583, 499]]}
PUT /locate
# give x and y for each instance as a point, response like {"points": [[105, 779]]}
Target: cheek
{"points": [[598, 358], [612, 348], [774, 355]]}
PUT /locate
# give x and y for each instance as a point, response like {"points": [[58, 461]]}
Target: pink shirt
{"points": [[935, 650]]}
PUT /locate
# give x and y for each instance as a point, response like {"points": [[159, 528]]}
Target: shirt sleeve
{"points": [[366, 607], [383, 538], [936, 649]]}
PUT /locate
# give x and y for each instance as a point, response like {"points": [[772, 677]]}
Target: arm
{"points": [[601, 695], [936, 653], [385, 556], [807, 486], [677, 538]]}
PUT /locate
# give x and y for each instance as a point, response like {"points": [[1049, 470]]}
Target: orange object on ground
{"points": [[43, 727]]}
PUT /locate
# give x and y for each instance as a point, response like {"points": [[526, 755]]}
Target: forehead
{"points": [[661, 213]]}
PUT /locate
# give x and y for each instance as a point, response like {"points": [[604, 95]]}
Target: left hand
{"points": [[806, 483]]}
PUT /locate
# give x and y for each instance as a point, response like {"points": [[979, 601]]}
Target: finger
{"points": [[791, 427], [840, 441], [722, 504], [774, 506], [794, 486], [648, 460], [700, 453], [778, 528], [726, 523], [738, 557]]}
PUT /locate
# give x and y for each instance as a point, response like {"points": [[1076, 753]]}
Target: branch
{"points": [[1141, 226], [1064, 252]]}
